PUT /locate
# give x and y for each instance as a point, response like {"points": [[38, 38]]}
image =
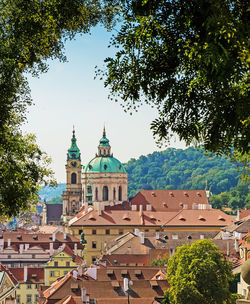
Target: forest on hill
{"points": [[182, 169]]}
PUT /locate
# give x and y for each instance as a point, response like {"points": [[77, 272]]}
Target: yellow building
{"points": [[29, 280], [60, 264]]}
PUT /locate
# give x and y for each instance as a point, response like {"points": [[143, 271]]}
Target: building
{"points": [[29, 280], [103, 181], [8, 286]]}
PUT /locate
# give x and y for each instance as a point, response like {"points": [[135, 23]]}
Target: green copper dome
{"points": [[73, 151], [105, 164]]}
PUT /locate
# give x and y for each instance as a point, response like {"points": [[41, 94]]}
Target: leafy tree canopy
{"points": [[191, 60], [30, 33], [198, 273]]}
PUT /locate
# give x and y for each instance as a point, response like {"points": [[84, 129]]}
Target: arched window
{"points": [[114, 194], [120, 193], [73, 178], [105, 193], [104, 152], [96, 194]]}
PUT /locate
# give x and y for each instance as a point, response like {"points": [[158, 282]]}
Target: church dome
{"points": [[105, 164]]}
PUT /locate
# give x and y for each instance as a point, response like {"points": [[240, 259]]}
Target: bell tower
{"points": [[72, 196]]}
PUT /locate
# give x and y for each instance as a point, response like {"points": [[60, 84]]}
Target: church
{"points": [[102, 182]]}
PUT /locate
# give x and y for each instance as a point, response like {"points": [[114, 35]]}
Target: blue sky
{"points": [[68, 95]]}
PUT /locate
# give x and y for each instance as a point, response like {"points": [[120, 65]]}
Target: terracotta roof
{"points": [[241, 226], [34, 275], [9, 273], [125, 301], [126, 259], [243, 213], [212, 217], [166, 200], [244, 241], [70, 300]]}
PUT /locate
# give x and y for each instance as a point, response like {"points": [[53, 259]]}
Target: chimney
{"points": [[25, 273], [54, 237], [238, 215], [75, 249], [157, 235], [137, 232], [84, 296], [141, 208], [26, 246], [21, 248], [236, 246], [142, 237], [51, 249], [99, 209], [227, 248], [65, 236], [80, 270], [9, 242], [75, 273]]}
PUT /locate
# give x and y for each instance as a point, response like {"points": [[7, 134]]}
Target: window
{"points": [[107, 231], [52, 273], [18, 299], [94, 245], [28, 298], [73, 178], [105, 193], [56, 264], [29, 286], [93, 259], [36, 297], [96, 194], [114, 196], [120, 193], [93, 231], [80, 231], [65, 272], [120, 231], [67, 264]]}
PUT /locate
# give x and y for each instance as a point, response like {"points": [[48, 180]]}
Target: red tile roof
{"points": [[243, 213], [34, 275], [167, 200]]}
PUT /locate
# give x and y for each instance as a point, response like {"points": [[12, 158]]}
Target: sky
{"points": [[68, 95]]}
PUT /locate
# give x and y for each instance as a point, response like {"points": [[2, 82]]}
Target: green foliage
{"points": [[190, 59], [30, 33], [182, 169], [55, 200], [198, 273], [160, 261]]}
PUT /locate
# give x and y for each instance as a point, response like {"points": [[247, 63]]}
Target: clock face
{"points": [[73, 164]]}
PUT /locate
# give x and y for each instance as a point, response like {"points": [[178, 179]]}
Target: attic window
{"points": [[153, 284], [74, 285], [185, 193], [115, 284], [165, 237], [34, 275], [201, 218], [19, 237], [153, 194], [126, 217], [110, 272], [171, 193], [181, 204], [91, 217], [138, 272], [35, 237], [152, 217], [221, 218], [124, 272], [165, 204], [189, 237], [181, 218], [198, 193]]}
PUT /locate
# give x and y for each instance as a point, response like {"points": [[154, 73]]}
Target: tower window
{"points": [[73, 178], [120, 193], [114, 196], [96, 194], [105, 193], [104, 152]]}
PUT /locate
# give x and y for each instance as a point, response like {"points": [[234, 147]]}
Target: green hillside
{"points": [[182, 169]]}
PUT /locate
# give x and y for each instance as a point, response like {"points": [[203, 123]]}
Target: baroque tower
{"points": [[72, 201], [104, 179]]}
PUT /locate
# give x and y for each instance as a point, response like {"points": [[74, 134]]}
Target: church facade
{"points": [[102, 182]]}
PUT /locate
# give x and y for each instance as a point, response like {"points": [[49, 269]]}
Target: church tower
{"points": [[104, 179], [72, 196]]}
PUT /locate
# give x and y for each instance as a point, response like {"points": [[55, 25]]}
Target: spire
{"points": [[104, 132], [73, 151]]}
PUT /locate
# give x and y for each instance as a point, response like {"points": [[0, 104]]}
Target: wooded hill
{"points": [[183, 169]]}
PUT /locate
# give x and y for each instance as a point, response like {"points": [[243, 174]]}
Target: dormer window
{"points": [[105, 167]]}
